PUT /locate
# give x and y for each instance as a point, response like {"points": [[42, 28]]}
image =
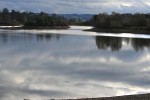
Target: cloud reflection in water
{"points": [[47, 66]]}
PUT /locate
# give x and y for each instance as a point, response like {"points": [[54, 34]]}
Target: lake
{"points": [[47, 64]]}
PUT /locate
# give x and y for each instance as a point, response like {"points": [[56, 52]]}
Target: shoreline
{"points": [[32, 27], [124, 97], [136, 31]]}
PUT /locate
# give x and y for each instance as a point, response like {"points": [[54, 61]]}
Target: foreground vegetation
{"points": [[31, 20]]}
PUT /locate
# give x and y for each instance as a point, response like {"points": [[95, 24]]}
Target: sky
{"points": [[78, 6]]}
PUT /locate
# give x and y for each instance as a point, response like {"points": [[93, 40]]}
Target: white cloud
{"points": [[77, 6]]}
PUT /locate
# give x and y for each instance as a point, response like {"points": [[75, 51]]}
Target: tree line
{"points": [[31, 19], [121, 21], [137, 21]]}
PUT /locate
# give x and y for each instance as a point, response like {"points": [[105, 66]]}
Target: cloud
{"points": [[77, 6]]}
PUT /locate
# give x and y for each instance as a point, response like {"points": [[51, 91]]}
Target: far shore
{"points": [[126, 97], [34, 27], [136, 31]]}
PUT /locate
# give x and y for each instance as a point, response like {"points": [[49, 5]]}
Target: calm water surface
{"points": [[42, 64]]}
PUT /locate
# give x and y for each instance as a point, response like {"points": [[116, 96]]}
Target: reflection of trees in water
{"points": [[47, 37], [41, 37], [102, 42], [6, 37], [140, 44], [115, 43]]}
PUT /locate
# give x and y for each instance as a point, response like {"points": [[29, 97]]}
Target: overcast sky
{"points": [[78, 6]]}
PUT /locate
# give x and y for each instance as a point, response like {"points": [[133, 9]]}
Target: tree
{"points": [[5, 11]]}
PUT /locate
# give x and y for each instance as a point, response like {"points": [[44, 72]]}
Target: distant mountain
{"points": [[82, 17]]}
